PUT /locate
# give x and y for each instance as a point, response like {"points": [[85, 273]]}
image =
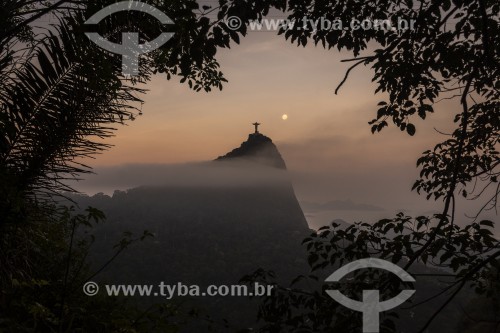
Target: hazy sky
{"points": [[326, 140]]}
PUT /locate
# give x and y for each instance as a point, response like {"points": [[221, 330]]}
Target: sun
{"points": [[284, 117]]}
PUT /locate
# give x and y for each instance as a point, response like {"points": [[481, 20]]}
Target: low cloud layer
{"points": [[122, 177]]}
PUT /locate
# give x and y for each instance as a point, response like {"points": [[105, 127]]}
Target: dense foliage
{"points": [[60, 94]]}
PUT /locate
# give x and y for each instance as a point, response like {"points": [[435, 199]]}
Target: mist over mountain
{"points": [[256, 162], [212, 222]]}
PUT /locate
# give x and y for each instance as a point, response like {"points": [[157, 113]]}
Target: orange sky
{"points": [[268, 77], [326, 136]]}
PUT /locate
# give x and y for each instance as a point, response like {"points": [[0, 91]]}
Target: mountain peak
{"points": [[258, 148]]}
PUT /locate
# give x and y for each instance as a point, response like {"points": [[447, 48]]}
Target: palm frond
{"points": [[56, 108]]}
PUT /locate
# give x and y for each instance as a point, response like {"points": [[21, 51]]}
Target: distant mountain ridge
{"points": [[338, 205]]}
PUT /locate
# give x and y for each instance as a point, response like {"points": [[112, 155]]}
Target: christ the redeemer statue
{"points": [[256, 127]]}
